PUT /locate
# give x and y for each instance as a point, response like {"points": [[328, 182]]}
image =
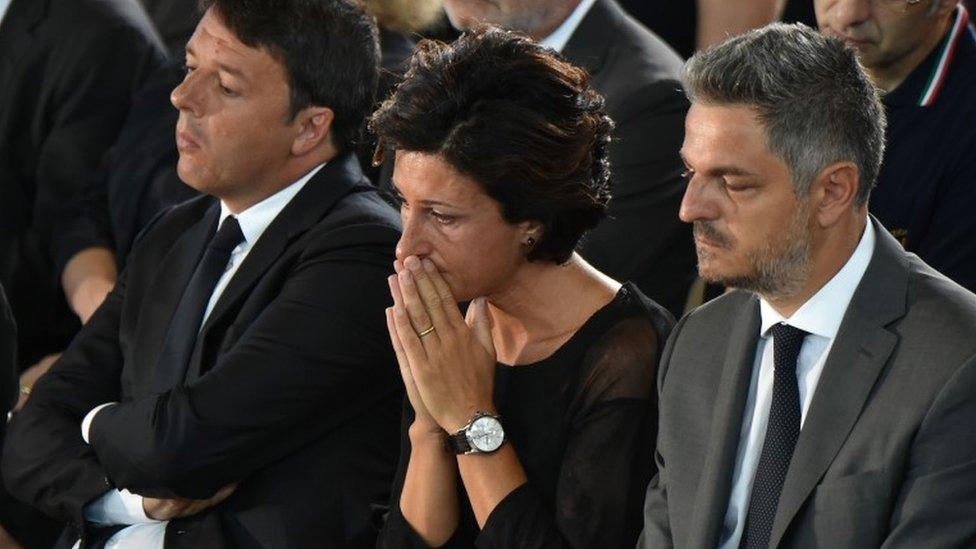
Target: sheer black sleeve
{"points": [[607, 461]]}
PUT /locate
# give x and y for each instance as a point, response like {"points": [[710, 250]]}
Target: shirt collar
{"points": [[258, 217], [4, 5], [558, 39], [922, 86], [822, 314]]}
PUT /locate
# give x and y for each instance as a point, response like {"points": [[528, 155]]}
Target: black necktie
{"points": [[185, 324], [781, 434]]}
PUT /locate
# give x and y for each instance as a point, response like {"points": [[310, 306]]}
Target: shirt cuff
{"points": [[86, 423], [117, 507]]}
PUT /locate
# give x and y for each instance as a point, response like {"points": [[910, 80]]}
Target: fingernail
{"points": [[429, 265], [412, 263]]}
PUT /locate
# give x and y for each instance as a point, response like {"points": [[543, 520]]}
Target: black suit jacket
{"points": [[642, 240], [887, 453], [67, 74], [293, 390]]}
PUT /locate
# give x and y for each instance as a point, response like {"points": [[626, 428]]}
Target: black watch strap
{"points": [[458, 442]]}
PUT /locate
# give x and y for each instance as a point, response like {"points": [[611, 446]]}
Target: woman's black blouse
{"points": [[583, 424]]}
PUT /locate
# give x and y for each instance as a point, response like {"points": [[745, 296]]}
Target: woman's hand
{"points": [[423, 423], [452, 367]]}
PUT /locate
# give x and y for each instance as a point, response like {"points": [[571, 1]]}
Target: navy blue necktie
{"points": [[781, 433], [185, 324]]}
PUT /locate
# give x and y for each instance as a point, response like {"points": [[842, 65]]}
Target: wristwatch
{"points": [[482, 435]]}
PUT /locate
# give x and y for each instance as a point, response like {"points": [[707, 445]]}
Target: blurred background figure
{"points": [[690, 25], [68, 72], [400, 22], [642, 239], [922, 55]]}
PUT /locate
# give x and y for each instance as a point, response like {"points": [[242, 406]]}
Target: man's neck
{"points": [[889, 77], [260, 191], [554, 16]]}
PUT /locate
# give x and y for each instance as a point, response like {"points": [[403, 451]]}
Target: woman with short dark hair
{"points": [[530, 422]]}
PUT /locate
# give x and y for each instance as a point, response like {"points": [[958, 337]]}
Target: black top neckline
{"points": [[593, 322]]}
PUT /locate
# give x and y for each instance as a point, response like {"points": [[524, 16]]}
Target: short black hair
{"points": [[329, 49], [515, 117]]}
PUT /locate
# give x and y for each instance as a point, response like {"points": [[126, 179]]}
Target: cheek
{"points": [[477, 262]]}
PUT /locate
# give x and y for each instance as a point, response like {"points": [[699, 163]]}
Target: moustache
{"points": [[705, 231]]}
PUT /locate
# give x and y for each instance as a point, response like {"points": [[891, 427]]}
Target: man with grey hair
{"points": [[922, 54], [828, 400], [642, 239]]}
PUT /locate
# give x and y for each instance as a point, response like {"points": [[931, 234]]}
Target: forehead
{"points": [[422, 176], [212, 39], [724, 134]]}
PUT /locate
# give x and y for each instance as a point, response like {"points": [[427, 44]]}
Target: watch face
{"points": [[486, 434]]}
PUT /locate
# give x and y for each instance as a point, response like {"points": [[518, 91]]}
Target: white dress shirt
{"points": [[820, 317], [558, 39], [4, 4], [122, 506]]}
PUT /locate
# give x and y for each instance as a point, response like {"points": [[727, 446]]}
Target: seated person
{"points": [[544, 391], [237, 387]]}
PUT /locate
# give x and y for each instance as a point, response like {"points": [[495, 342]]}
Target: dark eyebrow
{"points": [[399, 195], [225, 68]]}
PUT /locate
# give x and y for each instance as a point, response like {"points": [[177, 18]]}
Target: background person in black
{"points": [[68, 71], [501, 166], [922, 55]]}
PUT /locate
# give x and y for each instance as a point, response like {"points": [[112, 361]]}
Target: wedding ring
{"points": [[426, 332]]}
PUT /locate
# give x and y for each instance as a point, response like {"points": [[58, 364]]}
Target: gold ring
{"points": [[25, 390], [428, 331]]}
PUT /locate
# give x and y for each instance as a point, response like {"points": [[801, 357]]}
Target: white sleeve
{"points": [[86, 423]]}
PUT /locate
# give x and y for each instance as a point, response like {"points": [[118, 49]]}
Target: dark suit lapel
{"points": [[858, 355], [589, 45], [338, 178], [715, 484], [164, 294]]}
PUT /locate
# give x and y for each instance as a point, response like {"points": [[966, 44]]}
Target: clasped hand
{"points": [[168, 509], [449, 371]]}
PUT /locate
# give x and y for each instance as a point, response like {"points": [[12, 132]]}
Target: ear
{"points": [[314, 126], [834, 192], [531, 230]]}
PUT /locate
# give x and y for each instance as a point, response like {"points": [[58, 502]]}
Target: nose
{"points": [[413, 241], [187, 95], [851, 13], [697, 204]]}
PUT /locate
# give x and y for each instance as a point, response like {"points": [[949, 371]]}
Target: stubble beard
{"points": [[777, 270]]}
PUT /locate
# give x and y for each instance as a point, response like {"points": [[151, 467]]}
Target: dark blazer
{"points": [[293, 389], [642, 240], [68, 71], [887, 453]]}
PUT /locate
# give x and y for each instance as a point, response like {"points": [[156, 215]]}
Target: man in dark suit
{"points": [[829, 400], [237, 387], [642, 239], [68, 71]]}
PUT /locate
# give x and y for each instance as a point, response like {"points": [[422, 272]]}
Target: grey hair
{"points": [[812, 96]]}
